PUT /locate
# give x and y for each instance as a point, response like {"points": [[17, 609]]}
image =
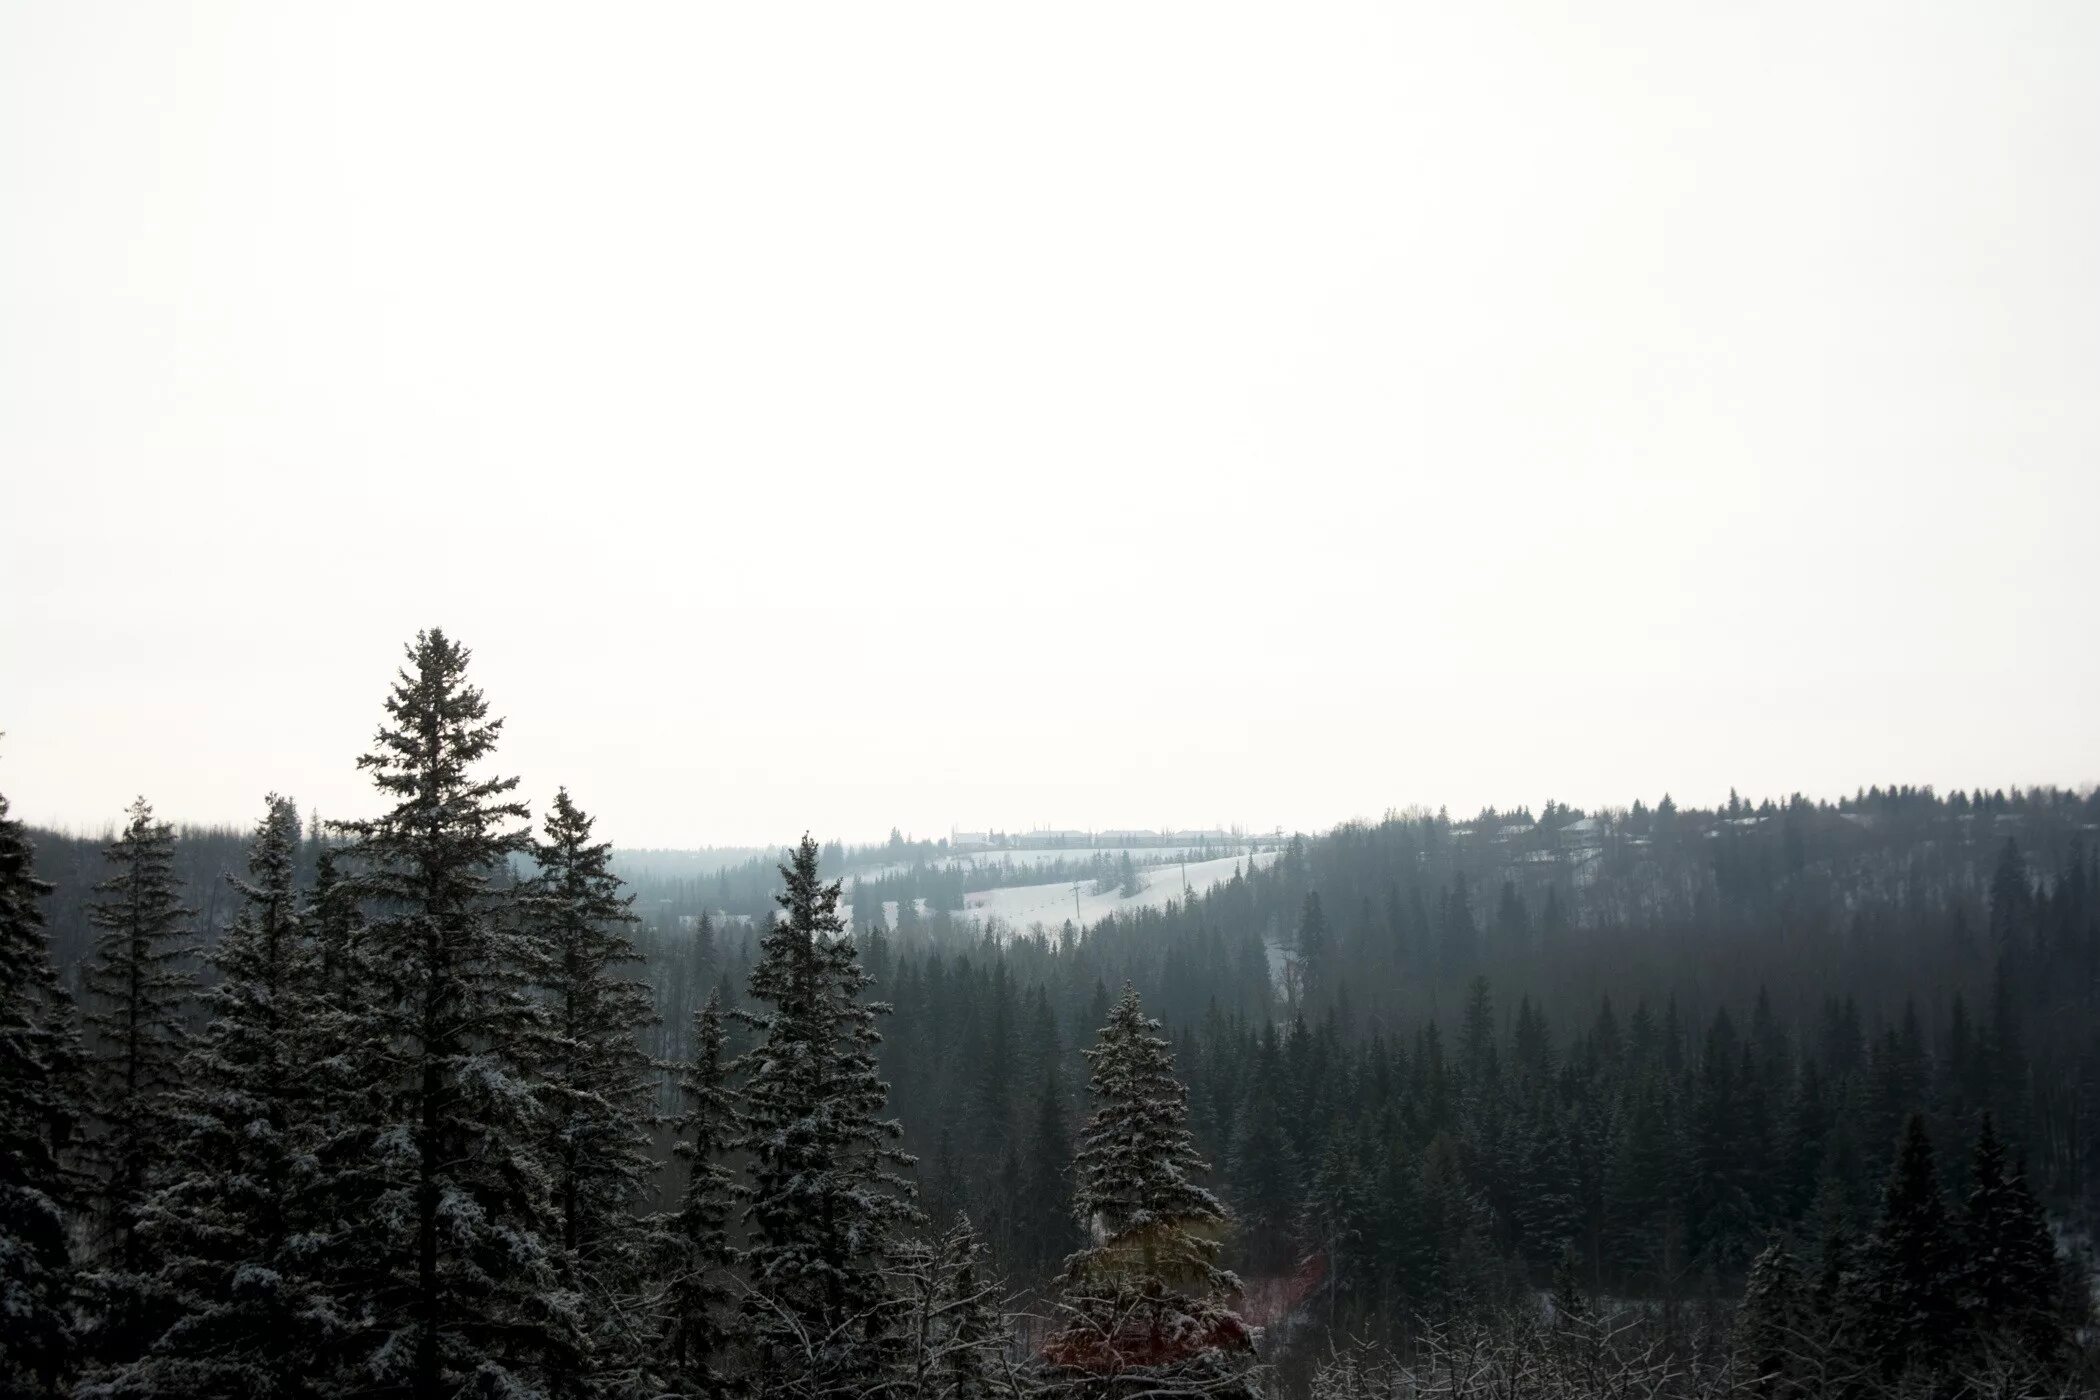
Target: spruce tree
{"points": [[1546, 1210], [1046, 1232], [343, 1039], [1263, 1178], [1314, 948], [1399, 1241], [1338, 1220], [1143, 1308], [826, 1203], [41, 1069], [1455, 1221], [991, 1103], [139, 986], [596, 1084], [230, 1226], [697, 1295], [1477, 1039], [469, 1294], [1769, 1323], [1909, 1271], [337, 923], [2011, 1280]]}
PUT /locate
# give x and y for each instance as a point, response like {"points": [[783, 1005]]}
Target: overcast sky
{"points": [[1119, 414]]}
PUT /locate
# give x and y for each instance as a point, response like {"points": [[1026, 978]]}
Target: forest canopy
{"points": [[1787, 1096]]}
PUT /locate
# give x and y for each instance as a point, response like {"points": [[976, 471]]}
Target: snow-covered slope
{"points": [[1025, 906]]}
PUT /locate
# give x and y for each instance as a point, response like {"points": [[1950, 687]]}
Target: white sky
{"points": [[1074, 414]]}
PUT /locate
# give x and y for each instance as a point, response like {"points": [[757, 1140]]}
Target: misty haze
{"points": [[1109, 702]]}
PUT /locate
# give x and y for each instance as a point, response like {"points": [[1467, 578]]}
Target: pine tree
{"points": [[697, 1297], [41, 1069], [139, 988], [2011, 1281], [229, 1227], [597, 1087], [337, 923], [1401, 1245], [1769, 1323], [1263, 1179], [1046, 1231], [470, 1293], [1455, 1221], [826, 1202], [1476, 1042], [991, 1106], [1143, 1307], [1638, 1186], [1338, 1218], [1721, 1212], [1314, 952], [343, 1042], [1909, 1272], [1546, 1208]]}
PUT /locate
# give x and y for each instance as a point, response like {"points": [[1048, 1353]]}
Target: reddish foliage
{"points": [[1266, 1302], [1081, 1350]]}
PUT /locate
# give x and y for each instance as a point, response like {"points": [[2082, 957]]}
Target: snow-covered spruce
{"points": [[138, 985], [40, 1106], [597, 1088], [826, 1203], [698, 1295], [467, 1289], [1143, 1310], [228, 1231]]}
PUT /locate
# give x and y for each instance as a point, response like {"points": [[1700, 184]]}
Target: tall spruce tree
{"points": [[827, 1203], [1263, 1178], [139, 984], [1770, 1324], [350, 1068], [1909, 1269], [1337, 1217], [1046, 1233], [41, 1069], [2011, 1281], [469, 1296], [1143, 1308], [698, 1297], [596, 1083], [230, 1226]]}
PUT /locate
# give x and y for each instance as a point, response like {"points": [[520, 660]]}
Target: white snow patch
{"points": [[1027, 906]]}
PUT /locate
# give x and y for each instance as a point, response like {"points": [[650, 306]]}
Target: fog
{"points": [[845, 417]]}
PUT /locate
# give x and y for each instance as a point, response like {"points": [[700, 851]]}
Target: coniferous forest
{"points": [[1792, 1097]]}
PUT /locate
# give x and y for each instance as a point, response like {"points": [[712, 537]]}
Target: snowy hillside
{"points": [[1027, 906]]}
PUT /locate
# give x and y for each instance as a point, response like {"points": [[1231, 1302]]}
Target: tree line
{"points": [[445, 1108], [404, 1142]]}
